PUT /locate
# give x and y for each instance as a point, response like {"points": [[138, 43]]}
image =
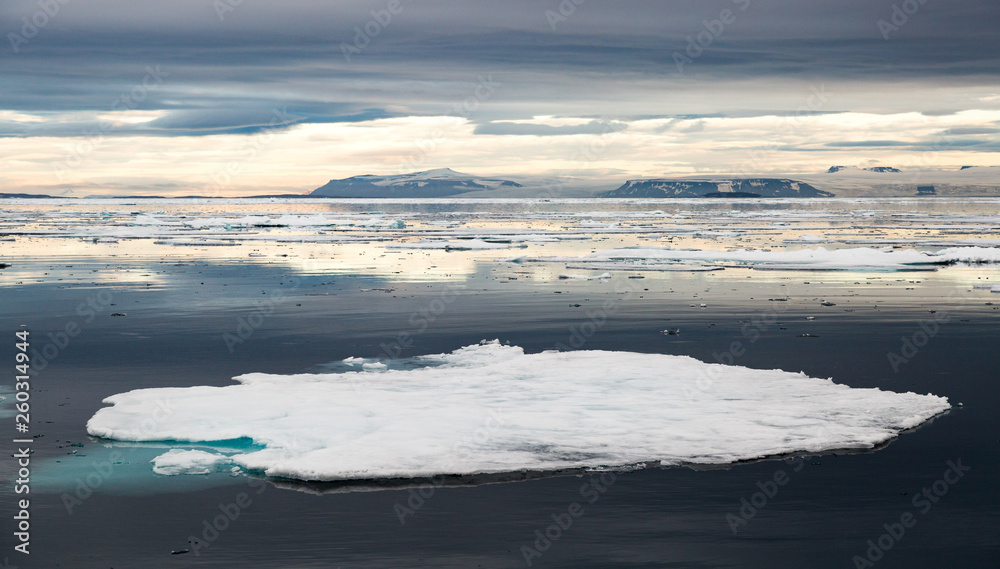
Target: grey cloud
{"points": [[696, 127], [605, 56], [522, 129], [187, 123], [964, 131], [868, 143], [938, 144]]}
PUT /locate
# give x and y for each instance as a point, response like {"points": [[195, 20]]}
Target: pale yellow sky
{"points": [[303, 157]]}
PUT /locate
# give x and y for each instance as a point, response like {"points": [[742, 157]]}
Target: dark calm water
{"points": [[822, 517]]}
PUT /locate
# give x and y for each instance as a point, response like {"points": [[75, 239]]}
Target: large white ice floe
{"points": [[862, 258], [492, 409]]}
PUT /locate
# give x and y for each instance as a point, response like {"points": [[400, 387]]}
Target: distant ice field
{"points": [[652, 235]]}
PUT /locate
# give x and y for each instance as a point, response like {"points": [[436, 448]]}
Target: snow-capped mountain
{"points": [[735, 187], [876, 169], [885, 181], [429, 184]]}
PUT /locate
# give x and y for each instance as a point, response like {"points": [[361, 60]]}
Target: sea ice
{"points": [[196, 243], [177, 461], [815, 259], [586, 277], [491, 408], [661, 267], [809, 238], [465, 245]]}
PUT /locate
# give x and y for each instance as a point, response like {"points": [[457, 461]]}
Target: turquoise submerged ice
{"points": [[491, 408]]}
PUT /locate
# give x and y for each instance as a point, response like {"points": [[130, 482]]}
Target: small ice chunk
{"points": [[809, 238], [585, 277], [466, 245], [177, 461]]}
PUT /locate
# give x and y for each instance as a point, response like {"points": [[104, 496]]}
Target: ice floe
{"points": [[809, 238], [463, 245], [491, 408], [178, 461], [196, 243], [658, 267], [586, 277]]}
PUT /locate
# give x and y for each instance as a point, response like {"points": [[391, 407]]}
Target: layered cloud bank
{"points": [[242, 98]]}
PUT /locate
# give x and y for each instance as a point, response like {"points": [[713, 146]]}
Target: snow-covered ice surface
{"points": [[491, 408]]}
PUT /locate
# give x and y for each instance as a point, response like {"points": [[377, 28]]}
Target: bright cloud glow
{"points": [[301, 158]]}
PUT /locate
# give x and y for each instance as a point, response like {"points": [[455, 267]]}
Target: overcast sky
{"points": [[244, 96]]}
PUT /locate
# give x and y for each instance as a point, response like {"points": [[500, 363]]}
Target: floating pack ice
{"points": [[467, 245], [492, 409], [862, 258]]}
